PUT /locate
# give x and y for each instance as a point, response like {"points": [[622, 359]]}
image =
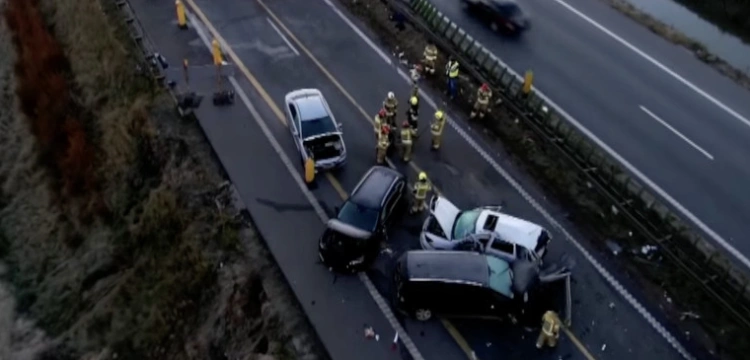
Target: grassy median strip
{"points": [[684, 300], [118, 229]]}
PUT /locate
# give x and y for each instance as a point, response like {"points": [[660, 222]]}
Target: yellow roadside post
{"points": [[527, 80], [181, 18], [216, 52], [309, 170]]}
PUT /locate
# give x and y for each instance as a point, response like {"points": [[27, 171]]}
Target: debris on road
{"points": [[689, 314], [604, 346], [614, 247], [370, 333]]}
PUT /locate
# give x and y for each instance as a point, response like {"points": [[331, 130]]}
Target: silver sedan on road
{"points": [[316, 133]]}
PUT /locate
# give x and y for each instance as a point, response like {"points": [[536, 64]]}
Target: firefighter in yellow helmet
{"points": [[380, 119], [420, 190], [550, 332], [390, 104], [438, 124], [430, 57], [383, 144], [407, 137], [412, 114], [481, 105]]}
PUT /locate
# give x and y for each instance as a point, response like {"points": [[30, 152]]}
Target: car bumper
{"points": [[426, 245], [330, 164], [339, 262]]}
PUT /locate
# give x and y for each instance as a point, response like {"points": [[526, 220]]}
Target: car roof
{"points": [[310, 105], [375, 184], [510, 228], [453, 266]]}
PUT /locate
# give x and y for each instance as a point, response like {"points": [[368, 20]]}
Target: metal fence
{"points": [[683, 248]]}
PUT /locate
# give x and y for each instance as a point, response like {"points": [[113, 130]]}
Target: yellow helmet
{"points": [[422, 176], [414, 100], [439, 114]]}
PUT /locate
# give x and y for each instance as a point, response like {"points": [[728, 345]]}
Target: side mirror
{"points": [[340, 126]]}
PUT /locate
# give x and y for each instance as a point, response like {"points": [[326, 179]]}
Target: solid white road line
{"points": [[380, 301], [608, 277], [283, 37], [661, 66], [683, 137]]}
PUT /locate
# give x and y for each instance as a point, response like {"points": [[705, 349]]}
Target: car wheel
{"points": [[494, 27], [423, 314]]}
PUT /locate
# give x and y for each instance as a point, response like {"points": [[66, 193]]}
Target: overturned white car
{"points": [[483, 229]]}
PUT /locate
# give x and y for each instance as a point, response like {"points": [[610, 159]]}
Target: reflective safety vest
{"points": [[453, 69], [484, 96], [430, 52], [383, 142], [437, 126], [390, 104], [420, 189], [551, 324], [378, 123], [406, 136]]}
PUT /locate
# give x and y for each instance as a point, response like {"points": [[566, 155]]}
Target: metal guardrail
{"points": [[684, 249]]}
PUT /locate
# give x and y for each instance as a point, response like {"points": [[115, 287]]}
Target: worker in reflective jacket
{"points": [[430, 57], [420, 190], [481, 105], [390, 104], [383, 144], [380, 119], [451, 70], [438, 123], [550, 330], [407, 135]]}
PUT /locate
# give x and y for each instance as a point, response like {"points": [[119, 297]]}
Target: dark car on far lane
{"points": [[462, 284], [353, 238], [501, 15]]}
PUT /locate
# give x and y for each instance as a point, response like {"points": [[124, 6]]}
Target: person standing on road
{"points": [[383, 144], [438, 124], [451, 70], [412, 114], [550, 332], [481, 105], [430, 58], [420, 190], [379, 121], [390, 104], [407, 134]]}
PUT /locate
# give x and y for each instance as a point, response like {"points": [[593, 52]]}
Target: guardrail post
{"points": [[528, 78], [216, 52], [181, 18]]}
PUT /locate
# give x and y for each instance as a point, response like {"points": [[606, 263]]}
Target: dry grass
{"points": [[108, 224]]}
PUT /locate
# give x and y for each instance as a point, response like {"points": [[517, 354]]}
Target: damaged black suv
{"points": [[352, 239]]}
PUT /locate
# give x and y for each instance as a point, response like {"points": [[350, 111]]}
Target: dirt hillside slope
{"points": [[118, 233]]}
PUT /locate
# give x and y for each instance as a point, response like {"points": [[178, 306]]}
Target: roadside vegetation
{"points": [[683, 302], [732, 16], [119, 236], [739, 76]]}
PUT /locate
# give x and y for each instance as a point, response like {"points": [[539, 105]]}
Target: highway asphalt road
{"points": [[689, 146], [295, 44]]}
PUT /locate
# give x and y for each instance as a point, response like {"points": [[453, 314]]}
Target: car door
{"points": [[391, 203], [473, 302], [294, 119]]}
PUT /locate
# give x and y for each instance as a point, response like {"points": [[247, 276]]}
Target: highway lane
{"points": [[338, 307], [603, 84], [364, 80]]}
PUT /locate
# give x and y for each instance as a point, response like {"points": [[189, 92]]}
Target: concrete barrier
{"points": [[726, 283]]}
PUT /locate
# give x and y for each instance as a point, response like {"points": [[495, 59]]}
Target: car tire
{"points": [[423, 314]]}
